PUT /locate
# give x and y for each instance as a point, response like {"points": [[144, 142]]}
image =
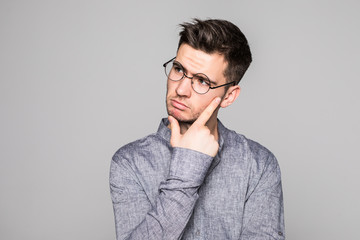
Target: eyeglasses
{"points": [[199, 81]]}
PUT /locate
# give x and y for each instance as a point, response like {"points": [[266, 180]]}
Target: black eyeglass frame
{"points": [[184, 75]]}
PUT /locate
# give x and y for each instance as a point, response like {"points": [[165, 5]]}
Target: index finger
{"points": [[209, 110]]}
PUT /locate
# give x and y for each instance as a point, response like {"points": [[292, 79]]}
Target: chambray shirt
{"points": [[161, 192]]}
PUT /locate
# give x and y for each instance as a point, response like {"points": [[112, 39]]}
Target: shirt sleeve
{"points": [[136, 217], [264, 211]]}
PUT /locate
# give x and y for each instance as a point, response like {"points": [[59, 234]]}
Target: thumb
{"points": [[175, 131]]}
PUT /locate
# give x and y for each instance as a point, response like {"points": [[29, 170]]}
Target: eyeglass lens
{"points": [[199, 82]]}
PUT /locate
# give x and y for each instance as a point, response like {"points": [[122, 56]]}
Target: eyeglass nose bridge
{"points": [[186, 76]]}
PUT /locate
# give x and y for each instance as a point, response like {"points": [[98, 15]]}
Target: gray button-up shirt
{"points": [[160, 192]]}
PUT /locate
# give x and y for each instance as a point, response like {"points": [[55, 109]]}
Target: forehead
{"points": [[197, 61]]}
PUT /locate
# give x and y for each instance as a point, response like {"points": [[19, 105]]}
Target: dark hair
{"points": [[219, 36]]}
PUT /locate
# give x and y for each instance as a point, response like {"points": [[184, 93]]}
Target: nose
{"points": [[184, 87]]}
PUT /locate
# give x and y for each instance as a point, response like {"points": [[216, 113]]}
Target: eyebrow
{"points": [[185, 70]]}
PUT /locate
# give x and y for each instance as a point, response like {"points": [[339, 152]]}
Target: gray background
{"points": [[78, 79]]}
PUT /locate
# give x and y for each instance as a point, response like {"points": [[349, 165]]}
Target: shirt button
{"points": [[197, 233], [280, 233]]}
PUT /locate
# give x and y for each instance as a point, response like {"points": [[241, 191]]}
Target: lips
{"points": [[178, 105]]}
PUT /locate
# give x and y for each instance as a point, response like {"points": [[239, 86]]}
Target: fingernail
{"points": [[217, 100]]}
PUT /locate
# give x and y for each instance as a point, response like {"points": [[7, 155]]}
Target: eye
{"points": [[203, 81], [178, 68]]}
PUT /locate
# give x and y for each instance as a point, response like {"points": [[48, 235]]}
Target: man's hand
{"points": [[198, 137]]}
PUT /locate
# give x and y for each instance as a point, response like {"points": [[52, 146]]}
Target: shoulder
{"points": [[144, 160], [257, 163], [242, 143], [251, 152], [141, 147]]}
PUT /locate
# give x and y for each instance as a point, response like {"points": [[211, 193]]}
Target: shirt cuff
{"points": [[189, 164]]}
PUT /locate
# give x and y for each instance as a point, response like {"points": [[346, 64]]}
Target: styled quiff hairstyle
{"points": [[219, 36]]}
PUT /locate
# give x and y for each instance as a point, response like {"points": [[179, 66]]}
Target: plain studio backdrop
{"points": [[79, 79]]}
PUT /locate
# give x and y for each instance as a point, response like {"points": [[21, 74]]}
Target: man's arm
{"points": [[264, 211], [135, 216]]}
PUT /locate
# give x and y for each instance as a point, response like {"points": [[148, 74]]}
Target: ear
{"points": [[230, 96]]}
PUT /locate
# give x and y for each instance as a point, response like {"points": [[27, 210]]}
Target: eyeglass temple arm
{"points": [[164, 65], [233, 82]]}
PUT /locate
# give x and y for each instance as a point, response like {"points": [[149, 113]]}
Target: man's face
{"points": [[182, 102]]}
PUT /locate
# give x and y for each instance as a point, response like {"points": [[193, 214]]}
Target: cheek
{"points": [[200, 102], [203, 101], [170, 87]]}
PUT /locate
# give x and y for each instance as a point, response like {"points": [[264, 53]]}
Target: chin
{"points": [[185, 121], [180, 117]]}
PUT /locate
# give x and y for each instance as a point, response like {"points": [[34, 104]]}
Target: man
{"points": [[194, 178]]}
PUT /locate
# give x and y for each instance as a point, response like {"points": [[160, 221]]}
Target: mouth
{"points": [[178, 105]]}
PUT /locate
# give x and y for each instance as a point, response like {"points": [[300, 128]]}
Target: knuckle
{"points": [[207, 131]]}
